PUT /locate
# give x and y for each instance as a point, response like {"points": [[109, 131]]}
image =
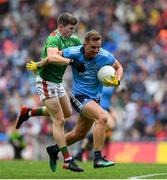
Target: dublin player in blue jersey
{"points": [[106, 104], [87, 91]]}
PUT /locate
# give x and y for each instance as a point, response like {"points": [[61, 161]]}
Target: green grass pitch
{"points": [[40, 170]]}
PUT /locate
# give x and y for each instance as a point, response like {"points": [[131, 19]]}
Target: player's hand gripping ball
{"points": [[106, 75]]}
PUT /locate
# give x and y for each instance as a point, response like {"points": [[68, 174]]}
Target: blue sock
{"points": [[97, 155]]}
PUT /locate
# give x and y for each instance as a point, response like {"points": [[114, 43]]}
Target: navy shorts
{"points": [[78, 101]]}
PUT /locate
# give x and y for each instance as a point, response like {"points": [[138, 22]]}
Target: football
{"points": [[105, 72]]}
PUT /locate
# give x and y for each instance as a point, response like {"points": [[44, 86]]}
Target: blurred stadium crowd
{"points": [[135, 31]]}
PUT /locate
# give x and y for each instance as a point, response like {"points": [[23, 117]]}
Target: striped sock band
{"points": [[36, 112], [65, 153]]}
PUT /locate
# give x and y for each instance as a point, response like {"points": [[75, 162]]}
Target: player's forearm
{"points": [[119, 73], [56, 58], [53, 59], [43, 62], [119, 70]]}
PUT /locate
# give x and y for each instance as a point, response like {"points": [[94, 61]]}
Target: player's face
{"points": [[91, 48], [67, 31]]}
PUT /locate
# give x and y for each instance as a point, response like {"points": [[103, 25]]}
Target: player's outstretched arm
{"points": [[55, 57], [34, 66]]}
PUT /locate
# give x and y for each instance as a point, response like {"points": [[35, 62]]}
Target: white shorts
{"points": [[47, 89]]}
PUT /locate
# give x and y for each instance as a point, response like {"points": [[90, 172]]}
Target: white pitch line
{"points": [[147, 175]]}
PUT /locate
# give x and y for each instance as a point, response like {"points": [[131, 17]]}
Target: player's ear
{"points": [[60, 26]]}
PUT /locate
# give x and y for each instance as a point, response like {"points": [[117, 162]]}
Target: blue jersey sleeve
{"points": [[111, 59], [71, 52], [106, 58], [67, 54]]}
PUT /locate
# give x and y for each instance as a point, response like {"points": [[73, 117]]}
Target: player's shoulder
{"points": [[74, 36], [53, 35], [75, 48], [104, 52]]}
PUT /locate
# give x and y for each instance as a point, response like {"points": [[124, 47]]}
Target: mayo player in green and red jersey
{"points": [[50, 89], [55, 42]]}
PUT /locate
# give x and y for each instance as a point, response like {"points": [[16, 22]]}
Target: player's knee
{"points": [[103, 119], [58, 122], [68, 113], [110, 124]]}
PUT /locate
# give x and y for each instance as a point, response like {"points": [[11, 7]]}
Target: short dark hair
{"points": [[66, 18], [92, 36]]}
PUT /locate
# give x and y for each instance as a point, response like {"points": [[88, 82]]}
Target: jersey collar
{"points": [[59, 34]]}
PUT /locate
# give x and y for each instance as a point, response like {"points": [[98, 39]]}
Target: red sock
{"points": [[36, 112]]}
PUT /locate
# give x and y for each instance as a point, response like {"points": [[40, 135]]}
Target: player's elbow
{"points": [[68, 113]]}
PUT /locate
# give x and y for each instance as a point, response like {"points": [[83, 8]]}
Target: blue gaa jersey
{"points": [[86, 83]]}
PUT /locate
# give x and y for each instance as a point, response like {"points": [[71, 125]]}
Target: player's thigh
{"points": [[54, 108], [66, 107], [88, 107], [93, 110], [83, 125]]}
